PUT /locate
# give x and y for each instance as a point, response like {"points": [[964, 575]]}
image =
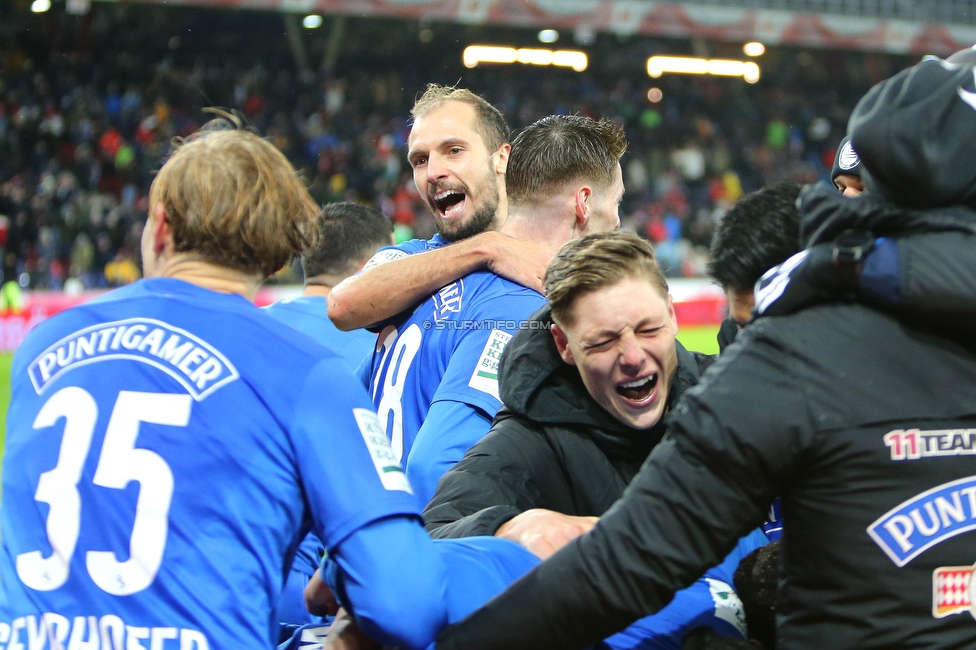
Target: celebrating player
{"points": [[459, 154], [433, 377], [169, 445]]}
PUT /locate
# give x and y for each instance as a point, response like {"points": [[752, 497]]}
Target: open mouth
{"points": [[639, 390], [449, 203]]}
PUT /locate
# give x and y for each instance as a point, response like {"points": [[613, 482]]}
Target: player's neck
{"points": [[541, 227], [317, 290], [210, 276]]}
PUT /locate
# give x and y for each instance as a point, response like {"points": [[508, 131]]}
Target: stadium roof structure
{"points": [[898, 26]]}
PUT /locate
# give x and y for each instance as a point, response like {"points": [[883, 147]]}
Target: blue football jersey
{"points": [[167, 449], [310, 315], [403, 249], [447, 349]]}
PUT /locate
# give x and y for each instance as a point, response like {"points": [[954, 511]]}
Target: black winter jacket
{"points": [[865, 425], [551, 446]]}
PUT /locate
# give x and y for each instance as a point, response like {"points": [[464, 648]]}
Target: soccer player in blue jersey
{"points": [[433, 377], [169, 444], [348, 236], [463, 141]]}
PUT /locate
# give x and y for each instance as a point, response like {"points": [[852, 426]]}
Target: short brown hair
{"points": [[597, 261], [235, 200], [490, 125], [348, 233], [562, 148]]}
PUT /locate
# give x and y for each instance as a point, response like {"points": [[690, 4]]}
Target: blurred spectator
{"points": [[88, 105]]}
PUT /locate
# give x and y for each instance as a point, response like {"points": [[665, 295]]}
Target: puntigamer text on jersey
{"points": [[193, 362]]}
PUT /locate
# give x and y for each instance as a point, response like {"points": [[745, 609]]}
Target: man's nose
{"points": [[436, 169], [631, 353]]}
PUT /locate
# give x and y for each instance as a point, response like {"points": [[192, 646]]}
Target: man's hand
{"points": [[520, 261], [543, 532], [344, 634], [319, 599]]}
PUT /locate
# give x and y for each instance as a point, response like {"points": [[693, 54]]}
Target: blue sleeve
{"points": [[390, 578], [480, 568], [349, 473], [403, 588], [710, 602], [881, 273], [471, 375], [450, 429]]}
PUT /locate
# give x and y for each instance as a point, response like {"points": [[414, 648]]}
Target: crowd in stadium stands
{"points": [[88, 106]]}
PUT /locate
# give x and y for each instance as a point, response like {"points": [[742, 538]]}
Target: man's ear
{"points": [[501, 158], [582, 208], [161, 229], [562, 344], [674, 317]]}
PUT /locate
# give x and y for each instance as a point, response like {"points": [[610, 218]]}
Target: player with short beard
{"points": [[458, 149], [433, 376]]}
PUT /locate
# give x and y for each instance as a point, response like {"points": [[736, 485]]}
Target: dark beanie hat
{"points": [[915, 133], [846, 161]]}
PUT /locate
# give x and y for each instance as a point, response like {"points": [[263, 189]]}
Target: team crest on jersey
{"points": [[915, 443], [926, 520], [953, 591], [198, 366], [448, 300]]}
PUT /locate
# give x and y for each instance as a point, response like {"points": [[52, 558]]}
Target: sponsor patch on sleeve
{"points": [[384, 256], [728, 607], [485, 375], [384, 460]]}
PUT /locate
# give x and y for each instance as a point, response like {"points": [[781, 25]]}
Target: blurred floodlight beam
{"points": [[754, 48], [570, 59], [750, 72], [658, 65], [534, 56], [548, 36], [40, 6], [476, 54]]}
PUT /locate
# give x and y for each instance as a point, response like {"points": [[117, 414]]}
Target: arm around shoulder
{"points": [[390, 288]]}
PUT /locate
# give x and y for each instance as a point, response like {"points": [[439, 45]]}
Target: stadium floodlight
{"points": [[40, 6], [477, 54], [658, 65], [755, 48], [312, 21], [548, 36]]}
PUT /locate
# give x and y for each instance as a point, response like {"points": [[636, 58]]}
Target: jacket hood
{"points": [[536, 383], [914, 133], [922, 265], [825, 214]]}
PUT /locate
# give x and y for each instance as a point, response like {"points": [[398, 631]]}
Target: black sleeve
{"points": [[938, 277], [700, 490], [494, 482]]}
